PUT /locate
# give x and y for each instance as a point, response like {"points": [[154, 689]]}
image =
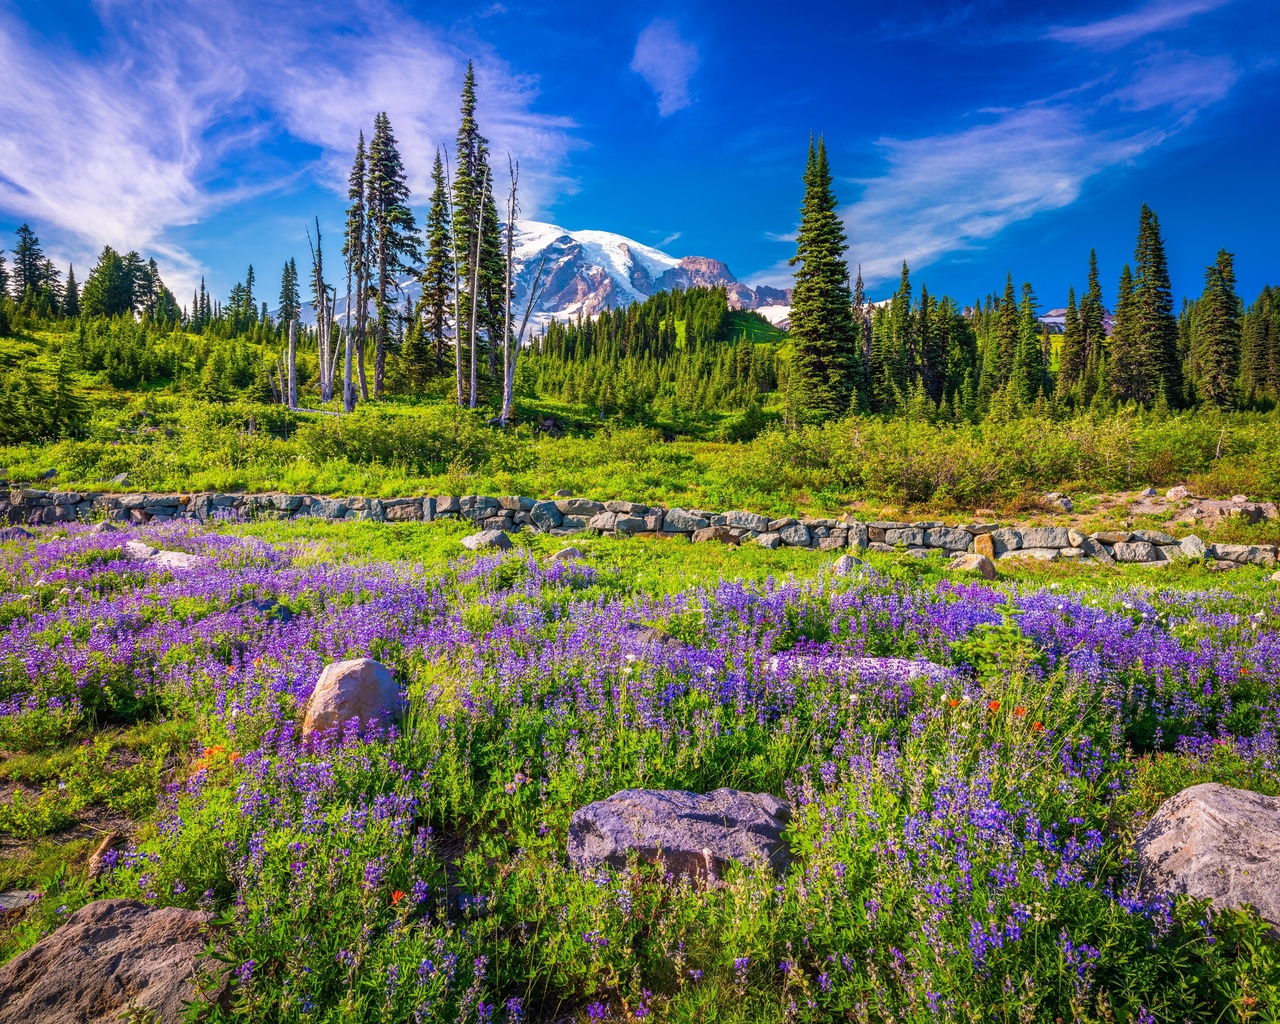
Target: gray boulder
{"points": [[1046, 537], [109, 958], [1193, 547], [487, 539], [1039, 554], [698, 834], [545, 515], [679, 520], [1218, 843], [1247, 554], [911, 536], [579, 507], [858, 535], [602, 521], [1136, 551], [1157, 537], [566, 555], [1005, 539], [771, 540], [946, 537], [747, 521], [795, 535]]}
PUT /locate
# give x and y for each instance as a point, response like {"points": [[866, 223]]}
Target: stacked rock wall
{"points": [[564, 516]]}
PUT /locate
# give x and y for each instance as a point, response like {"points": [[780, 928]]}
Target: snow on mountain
{"points": [[586, 272]]}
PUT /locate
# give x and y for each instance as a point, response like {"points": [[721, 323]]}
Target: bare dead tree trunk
{"points": [[293, 364], [475, 281], [509, 385], [457, 306], [514, 171]]}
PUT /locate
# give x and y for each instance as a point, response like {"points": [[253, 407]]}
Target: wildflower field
{"points": [[960, 841]]}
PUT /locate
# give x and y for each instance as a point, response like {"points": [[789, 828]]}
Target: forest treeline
{"points": [[680, 360]]}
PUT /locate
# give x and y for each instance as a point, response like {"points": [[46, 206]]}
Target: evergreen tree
{"points": [[1072, 359], [931, 335], [71, 294], [67, 410], [290, 297], [437, 274], [109, 288], [1260, 348], [32, 272], [4, 277], [1028, 377], [356, 250], [393, 228], [1216, 336], [1123, 361], [1155, 328], [822, 326]]}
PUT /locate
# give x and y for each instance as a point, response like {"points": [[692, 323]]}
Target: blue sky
{"points": [[970, 138]]}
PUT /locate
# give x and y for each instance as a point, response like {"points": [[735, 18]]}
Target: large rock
{"points": [[909, 535], [546, 515], [795, 535], [722, 534], [688, 833], [1136, 551], [1193, 547], [844, 565], [679, 520], [748, 521], [946, 537], [360, 689], [487, 539], [1218, 843], [1045, 537], [974, 562], [1005, 539], [1247, 554], [110, 957]]}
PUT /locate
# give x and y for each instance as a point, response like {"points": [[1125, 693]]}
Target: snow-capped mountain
{"points": [[590, 271]]}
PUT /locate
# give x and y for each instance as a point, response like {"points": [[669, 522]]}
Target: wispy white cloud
{"points": [[1156, 16], [667, 62], [953, 191], [175, 115], [673, 237]]}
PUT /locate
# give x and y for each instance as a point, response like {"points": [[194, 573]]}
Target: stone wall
{"points": [[566, 515]]}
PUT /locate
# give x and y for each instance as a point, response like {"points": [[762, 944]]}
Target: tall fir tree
{"points": [[355, 249], [394, 232], [436, 278], [108, 291], [4, 276], [1260, 349], [821, 303], [1216, 334], [290, 296], [1123, 362], [931, 344], [1027, 378], [1072, 358], [1155, 327], [71, 294]]}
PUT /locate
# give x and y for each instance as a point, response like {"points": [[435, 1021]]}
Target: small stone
{"points": [[567, 555], [487, 539], [771, 540], [1177, 493], [1275, 577], [1239, 499], [1112, 536], [1076, 538], [1150, 492], [844, 565], [1154, 537], [564, 492], [974, 562]]}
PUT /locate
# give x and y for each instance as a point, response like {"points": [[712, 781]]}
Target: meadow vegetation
{"points": [[960, 843]]}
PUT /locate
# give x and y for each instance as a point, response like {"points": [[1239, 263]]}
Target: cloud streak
{"points": [[1125, 28], [952, 192], [667, 62], [181, 110]]}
